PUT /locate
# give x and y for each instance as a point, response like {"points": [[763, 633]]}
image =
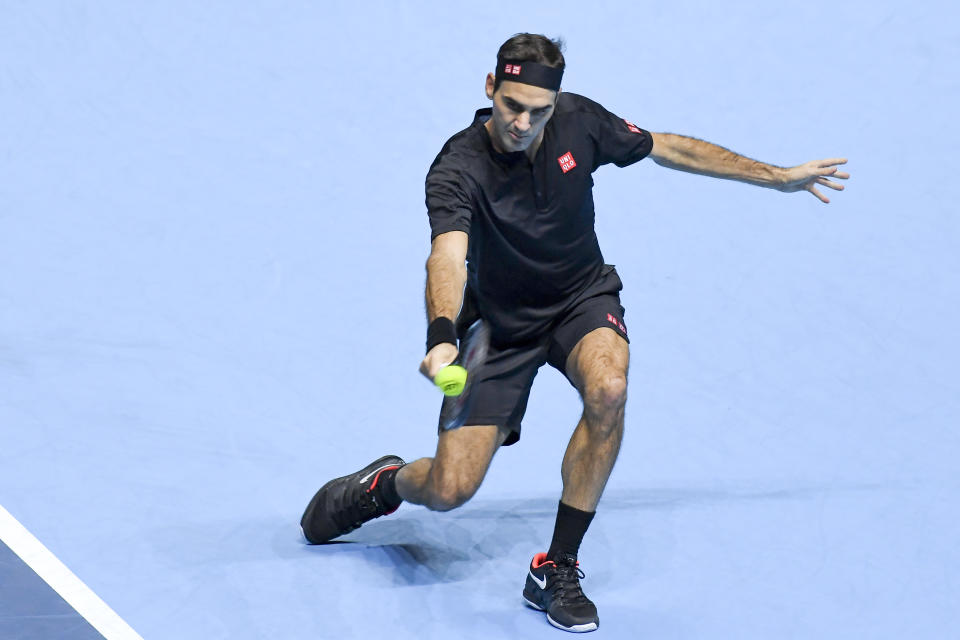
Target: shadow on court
{"points": [[419, 547]]}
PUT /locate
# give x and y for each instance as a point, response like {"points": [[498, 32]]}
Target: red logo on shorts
{"points": [[513, 69], [632, 126], [566, 161], [612, 319]]}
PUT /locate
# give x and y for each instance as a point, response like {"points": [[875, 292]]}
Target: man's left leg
{"points": [[597, 367]]}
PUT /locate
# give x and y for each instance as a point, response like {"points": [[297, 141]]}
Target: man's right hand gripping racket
{"points": [[456, 380]]}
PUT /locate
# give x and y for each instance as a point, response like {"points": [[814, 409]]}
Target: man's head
{"points": [[524, 96]]}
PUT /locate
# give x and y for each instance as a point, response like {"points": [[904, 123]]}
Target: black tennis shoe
{"points": [[343, 504], [554, 587]]}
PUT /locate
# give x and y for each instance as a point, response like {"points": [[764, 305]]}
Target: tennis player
{"points": [[510, 203]]}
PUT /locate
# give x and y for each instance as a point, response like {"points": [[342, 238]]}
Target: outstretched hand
{"points": [[807, 176]]}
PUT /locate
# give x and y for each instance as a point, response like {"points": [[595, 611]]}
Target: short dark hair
{"points": [[532, 47]]}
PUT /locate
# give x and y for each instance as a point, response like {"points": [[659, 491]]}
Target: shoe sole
{"points": [[308, 513], [577, 628]]}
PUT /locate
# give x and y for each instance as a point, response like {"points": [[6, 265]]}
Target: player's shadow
{"points": [[422, 547], [418, 547]]}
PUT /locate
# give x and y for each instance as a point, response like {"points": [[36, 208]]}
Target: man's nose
{"points": [[523, 121]]}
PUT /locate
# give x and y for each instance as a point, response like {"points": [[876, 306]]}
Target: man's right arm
{"points": [[446, 277]]}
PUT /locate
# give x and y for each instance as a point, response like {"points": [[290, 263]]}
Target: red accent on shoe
{"points": [[377, 478], [539, 560]]}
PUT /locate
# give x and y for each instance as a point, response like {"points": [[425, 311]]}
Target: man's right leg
{"points": [[441, 483], [454, 474]]}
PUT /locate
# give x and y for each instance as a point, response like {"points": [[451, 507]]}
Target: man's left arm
{"points": [[698, 156]]}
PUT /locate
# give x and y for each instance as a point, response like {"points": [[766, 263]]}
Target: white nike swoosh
{"points": [[374, 472], [542, 583]]}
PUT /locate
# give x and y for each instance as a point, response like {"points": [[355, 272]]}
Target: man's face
{"points": [[520, 112]]}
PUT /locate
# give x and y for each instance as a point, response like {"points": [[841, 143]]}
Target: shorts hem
{"points": [[502, 423]]}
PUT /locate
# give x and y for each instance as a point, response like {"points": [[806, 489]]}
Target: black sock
{"points": [[387, 484], [568, 532]]}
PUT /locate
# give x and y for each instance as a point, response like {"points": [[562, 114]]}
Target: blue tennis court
{"points": [[212, 246]]}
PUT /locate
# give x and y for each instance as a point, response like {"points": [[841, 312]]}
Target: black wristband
{"points": [[441, 330]]}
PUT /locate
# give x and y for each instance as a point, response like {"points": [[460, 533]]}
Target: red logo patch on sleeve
{"points": [[634, 128], [566, 162], [612, 319]]}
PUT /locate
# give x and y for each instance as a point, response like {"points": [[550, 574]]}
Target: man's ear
{"points": [[491, 81]]}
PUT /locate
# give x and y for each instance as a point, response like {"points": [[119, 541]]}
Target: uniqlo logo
{"points": [[566, 161], [612, 319], [634, 128], [513, 69]]}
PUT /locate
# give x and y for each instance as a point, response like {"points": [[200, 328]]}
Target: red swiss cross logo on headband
{"points": [[634, 128], [512, 69], [566, 161]]}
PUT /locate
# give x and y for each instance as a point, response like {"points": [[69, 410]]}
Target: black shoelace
{"points": [[355, 507], [566, 582]]}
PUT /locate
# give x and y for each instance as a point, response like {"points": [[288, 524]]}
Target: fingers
{"points": [[822, 198], [818, 172], [833, 172], [431, 369], [831, 162], [438, 357], [832, 185]]}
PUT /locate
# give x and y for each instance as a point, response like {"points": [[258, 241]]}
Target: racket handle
{"points": [[451, 380]]}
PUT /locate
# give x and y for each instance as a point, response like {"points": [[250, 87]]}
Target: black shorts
{"points": [[502, 385]]}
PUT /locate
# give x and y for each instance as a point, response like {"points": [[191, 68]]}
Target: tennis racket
{"points": [[456, 380]]}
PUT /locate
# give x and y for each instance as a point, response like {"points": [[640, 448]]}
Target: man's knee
{"points": [[450, 493], [463, 456], [606, 395]]}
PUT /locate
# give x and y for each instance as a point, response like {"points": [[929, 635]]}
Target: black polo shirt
{"points": [[533, 247]]}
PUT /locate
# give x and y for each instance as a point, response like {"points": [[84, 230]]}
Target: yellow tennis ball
{"points": [[451, 380]]}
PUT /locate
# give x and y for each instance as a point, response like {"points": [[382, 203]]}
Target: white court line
{"points": [[56, 574]]}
